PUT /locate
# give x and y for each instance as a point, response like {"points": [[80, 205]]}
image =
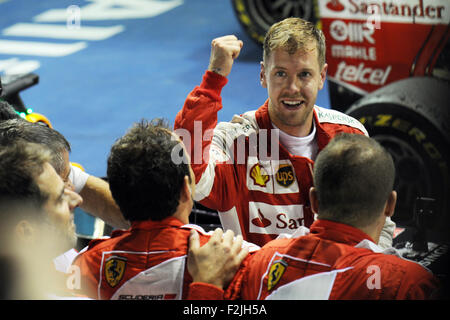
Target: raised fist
{"points": [[223, 52]]}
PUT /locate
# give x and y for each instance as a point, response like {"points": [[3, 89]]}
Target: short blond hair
{"points": [[293, 34]]}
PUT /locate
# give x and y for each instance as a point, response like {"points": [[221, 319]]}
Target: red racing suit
{"points": [[147, 261], [334, 261], [259, 189]]}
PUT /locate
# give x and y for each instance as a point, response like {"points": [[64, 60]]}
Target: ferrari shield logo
{"points": [[276, 271], [114, 270]]}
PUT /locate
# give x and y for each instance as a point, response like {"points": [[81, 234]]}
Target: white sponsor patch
{"points": [[270, 219], [333, 116], [274, 176], [161, 282], [315, 287]]}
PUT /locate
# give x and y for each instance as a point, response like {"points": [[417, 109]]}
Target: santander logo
{"points": [[261, 221], [335, 5], [409, 9]]}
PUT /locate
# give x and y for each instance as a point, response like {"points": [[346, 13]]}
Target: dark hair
{"points": [[10, 130], [20, 164], [144, 180], [354, 176], [7, 111]]}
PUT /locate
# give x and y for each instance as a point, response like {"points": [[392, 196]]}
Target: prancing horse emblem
{"points": [[114, 270], [276, 271]]}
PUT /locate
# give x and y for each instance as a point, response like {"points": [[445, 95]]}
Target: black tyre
{"points": [[410, 118], [256, 16]]}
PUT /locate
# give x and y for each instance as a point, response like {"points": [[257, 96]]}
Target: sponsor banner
{"points": [[271, 219], [397, 11], [370, 50], [372, 58]]}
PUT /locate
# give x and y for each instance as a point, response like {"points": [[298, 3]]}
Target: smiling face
{"points": [[292, 82]]}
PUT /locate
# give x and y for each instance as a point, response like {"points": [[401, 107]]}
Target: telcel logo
{"points": [[362, 74]]}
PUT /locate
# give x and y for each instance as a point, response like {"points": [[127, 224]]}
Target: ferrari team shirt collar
{"points": [[338, 232], [149, 224]]}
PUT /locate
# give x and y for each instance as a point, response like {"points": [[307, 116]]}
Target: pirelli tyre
{"points": [[410, 118], [256, 16]]}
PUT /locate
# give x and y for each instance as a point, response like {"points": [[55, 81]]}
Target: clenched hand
{"points": [[224, 50]]}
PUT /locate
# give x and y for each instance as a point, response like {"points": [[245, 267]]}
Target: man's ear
{"points": [[262, 75], [323, 76], [186, 191], [313, 200], [390, 204], [25, 232]]}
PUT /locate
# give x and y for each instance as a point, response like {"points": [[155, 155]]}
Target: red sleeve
{"points": [[195, 123], [204, 291], [205, 100], [198, 115]]}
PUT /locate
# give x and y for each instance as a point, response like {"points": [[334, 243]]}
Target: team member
{"points": [[153, 187], [338, 259], [36, 214], [97, 198], [256, 177]]}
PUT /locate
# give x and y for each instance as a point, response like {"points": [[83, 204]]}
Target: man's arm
{"points": [[196, 123], [213, 265], [98, 201], [97, 198]]}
